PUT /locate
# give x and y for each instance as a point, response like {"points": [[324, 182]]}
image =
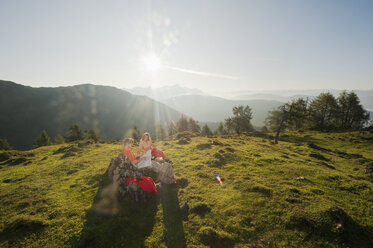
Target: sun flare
{"points": [[152, 62]]}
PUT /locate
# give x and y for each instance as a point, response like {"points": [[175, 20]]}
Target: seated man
{"points": [[139, 162]]}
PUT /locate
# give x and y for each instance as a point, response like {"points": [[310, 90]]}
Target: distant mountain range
{"points": [[365, 96], [207, 108], [165, 92], [210, 108], [26, 111]]}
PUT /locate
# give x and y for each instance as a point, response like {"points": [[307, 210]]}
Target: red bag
{"points": [[146, 183]]}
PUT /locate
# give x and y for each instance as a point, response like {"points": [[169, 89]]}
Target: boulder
{"points": [[121, 168]]}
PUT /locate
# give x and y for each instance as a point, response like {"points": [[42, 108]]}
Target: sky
{"points": [[216, 46]]}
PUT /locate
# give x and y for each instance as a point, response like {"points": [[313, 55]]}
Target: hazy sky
{"points": [[213, 45]]}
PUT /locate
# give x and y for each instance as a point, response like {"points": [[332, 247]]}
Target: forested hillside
{"points": [[26, 111]]}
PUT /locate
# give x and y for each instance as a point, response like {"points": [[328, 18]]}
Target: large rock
{"points": [[121, 168]]}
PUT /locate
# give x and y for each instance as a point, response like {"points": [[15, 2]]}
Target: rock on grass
{"points": [[214, 238], [203, 146], [200, 209]]}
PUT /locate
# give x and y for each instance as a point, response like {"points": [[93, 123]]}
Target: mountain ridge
{"points": [[108, 110]]}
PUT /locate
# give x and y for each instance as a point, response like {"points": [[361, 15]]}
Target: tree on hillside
{"points": [[323, 111], [135, 133], [171, 128], [264, 129], [298, 116], [206, 131], [241, 120], [43, 139], [193, 125], [221, 129], [91, 134], [273, 119], [160, 133], [59, 139], [4, 145], [351, 113], [278, 119], [75, 133], [182, 124]]}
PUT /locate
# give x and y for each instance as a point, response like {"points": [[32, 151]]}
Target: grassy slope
{"points": [[47, 200]]}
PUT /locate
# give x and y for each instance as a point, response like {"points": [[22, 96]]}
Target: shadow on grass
{"points": [[298, 139], [172, 217], [116, 224]]}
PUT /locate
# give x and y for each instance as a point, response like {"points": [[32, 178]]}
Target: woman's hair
{"points": [[128, 141], [146, 134]]}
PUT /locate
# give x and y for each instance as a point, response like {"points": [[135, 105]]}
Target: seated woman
{"points": [[146, 145], [139, 161]]}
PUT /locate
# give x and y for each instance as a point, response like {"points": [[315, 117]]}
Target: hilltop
{"points": [[310, 190]]}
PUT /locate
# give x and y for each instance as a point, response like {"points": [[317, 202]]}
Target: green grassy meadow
{"points": [[50, 196]]}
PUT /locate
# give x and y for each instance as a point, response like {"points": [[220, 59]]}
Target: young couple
{"points": [[144, 153]]}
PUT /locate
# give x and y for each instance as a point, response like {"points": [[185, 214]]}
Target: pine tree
{"points": [[182, 124], [193, 125], [221, 129], [75, 133], [298, 117], [135, 133], [206, 131], [351, 112], [171, 128], [323, 112], [160, 133], [43, 139], [241, 120], [273, 119], [93, 135], [59, 139], [4, 145]]}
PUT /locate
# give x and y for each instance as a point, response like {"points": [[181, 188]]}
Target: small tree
{"points": [[264, 129], [93, 135], [75, 133], [182, 124], [160, 133], [4, 145], [193, 125], [274, 118], [241, 120], [171, 128], [43, 139], [59, 139], [206, 131], [135, 133], [221, 129]]}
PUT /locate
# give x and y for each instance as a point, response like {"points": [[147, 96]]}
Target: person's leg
{"points": [[158, 153], [146, 162]]}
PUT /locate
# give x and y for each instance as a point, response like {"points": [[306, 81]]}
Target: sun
{"points": [[152, 62]]}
